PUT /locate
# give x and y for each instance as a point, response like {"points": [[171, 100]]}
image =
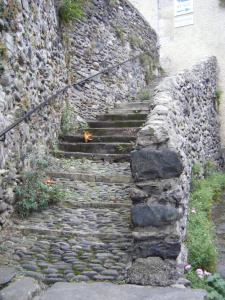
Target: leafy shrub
{"points": [[35, 193], [70, 10], [214, 285]]}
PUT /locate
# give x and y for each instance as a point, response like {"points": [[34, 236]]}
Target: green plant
{"points": [[196, 170], [113, 2], [122, 148], [35, 193], [120, 33], [214, 285], [200, 231], [70, 10], [202, 252], [3, 51], [218, 95], [67, 119], [144, 95], [135, 41], [147, 63], [209, 168]]}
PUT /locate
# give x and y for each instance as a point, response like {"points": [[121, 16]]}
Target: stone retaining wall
{"points": [[39, 57], [181, 130]]}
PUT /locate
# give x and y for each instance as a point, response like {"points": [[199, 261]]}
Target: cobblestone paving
{"points": [[69, 243], [85, 165]]}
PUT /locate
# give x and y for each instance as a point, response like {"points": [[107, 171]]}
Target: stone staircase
{"points": [[114, 134], [88, 236]]}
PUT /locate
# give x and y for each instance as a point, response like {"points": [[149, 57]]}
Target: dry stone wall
{"points": [[33, 67], [114, 33], [181, 130], [39, 57]]}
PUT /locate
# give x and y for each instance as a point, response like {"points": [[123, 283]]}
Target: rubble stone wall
{"points": [[39, 56], [181, 130]]}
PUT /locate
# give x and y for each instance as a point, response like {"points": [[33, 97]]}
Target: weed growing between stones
{"points": [[67, 120], [147, 63], [144, 95], [70, 10], [36, 192], [113, 3], [202, 252], [218, 97], [120, 33]]}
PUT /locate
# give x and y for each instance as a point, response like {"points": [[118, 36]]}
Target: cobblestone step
{"points": [[92, 177], [90, 220], [115, 124], [128, 131], [101, 139], [100, 148], [95, 192], [134, 105], [130, 110], [51, 258], [122, 117], [88, 166], [93, 156]]}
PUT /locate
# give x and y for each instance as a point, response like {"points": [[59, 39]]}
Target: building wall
{"points": [[184, 46]]}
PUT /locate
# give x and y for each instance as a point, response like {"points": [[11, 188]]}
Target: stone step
{"points": [[93, 156], [115, 124], [99, 193], [134, 105], [86, 166], [100, 139], [50, 234], [109, 291], [128, 131], [100, 148], [92, 177], [122, 117], [87, 220], [130, 110], [71, 203], [55, 255]]}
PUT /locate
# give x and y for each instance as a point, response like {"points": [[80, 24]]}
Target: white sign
{"points": [[184, 20], [183, 7]]}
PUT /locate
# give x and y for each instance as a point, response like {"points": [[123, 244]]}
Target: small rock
{"points": [[22, 289], [81, 278], [6, 275]]}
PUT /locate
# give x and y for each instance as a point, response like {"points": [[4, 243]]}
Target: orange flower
{"points": [[87, 136]]}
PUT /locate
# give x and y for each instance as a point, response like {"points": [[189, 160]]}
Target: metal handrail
{"points": [[27, 115]]}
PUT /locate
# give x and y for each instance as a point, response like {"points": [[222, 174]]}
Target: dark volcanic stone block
{"points": [[161, 248], [154, 215], [147, 164]]}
